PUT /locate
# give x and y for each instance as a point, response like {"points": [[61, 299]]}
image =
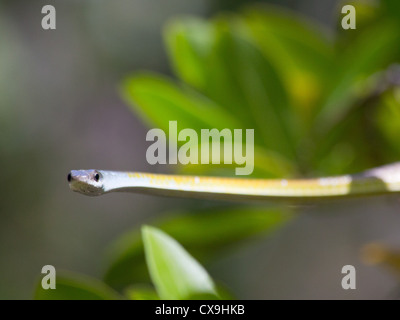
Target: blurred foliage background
{"points": [[322, 100]]}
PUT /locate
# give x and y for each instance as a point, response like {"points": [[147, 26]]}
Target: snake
{"points": [[375, 181]]}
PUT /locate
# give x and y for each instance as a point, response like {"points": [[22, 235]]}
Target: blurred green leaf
{"points": [[346, 114], [205, 234], [234, 74], [355, 64], [298, 49], [174, 272], [144, 292], [392, 9], [158, 101], [189, 42], [388, 119], [76, 287], [147, 292]]}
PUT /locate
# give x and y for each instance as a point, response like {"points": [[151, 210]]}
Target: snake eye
{"points": [[97, 177], [69, 178]]}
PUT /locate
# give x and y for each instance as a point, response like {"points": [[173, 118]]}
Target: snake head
{"points": [[88, 182]]}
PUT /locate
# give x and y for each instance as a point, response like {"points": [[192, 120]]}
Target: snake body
{"points": [[380, 180]]}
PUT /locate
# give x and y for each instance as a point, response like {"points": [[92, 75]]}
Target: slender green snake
{"points": [[376, 181]]}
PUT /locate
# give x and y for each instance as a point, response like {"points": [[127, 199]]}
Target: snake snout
{"points": [[76, 175]]}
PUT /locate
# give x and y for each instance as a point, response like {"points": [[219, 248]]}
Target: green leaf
{"points": [[299, 51], [147, 292], [76, 287], [231, 71], [206, 234], [217, 61], [158, 100], [189, 41], [144, 292], [387, 119], [392, 8], [346, 114], [174, 272], [355, 63]]}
